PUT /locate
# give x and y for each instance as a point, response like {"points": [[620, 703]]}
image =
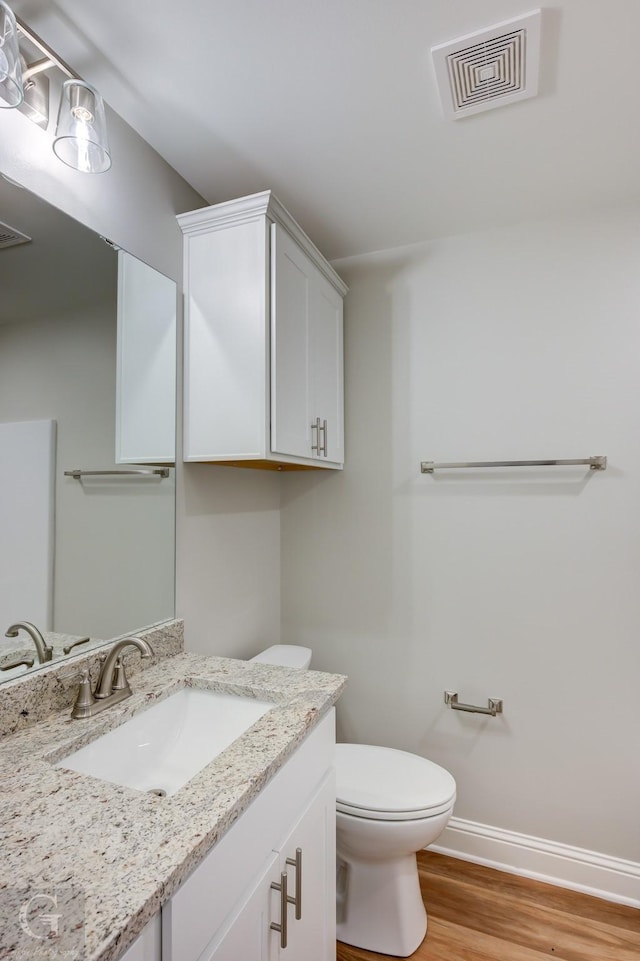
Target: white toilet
{"points": [[285, 655], [389, 805]]}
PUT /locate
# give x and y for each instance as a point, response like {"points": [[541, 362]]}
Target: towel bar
{"points": [[494, 705], [594, 463]]}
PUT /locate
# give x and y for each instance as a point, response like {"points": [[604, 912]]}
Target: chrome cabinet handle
{"points": [[324, 441], [282, 927], [316, 447], [297, 900]]}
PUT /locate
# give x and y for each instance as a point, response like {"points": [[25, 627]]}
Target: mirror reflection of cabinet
{"points": [[146, 364]]}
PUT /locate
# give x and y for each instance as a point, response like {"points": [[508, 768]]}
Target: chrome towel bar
{"points": [[160, 471], [594, 463], [494, 705]]}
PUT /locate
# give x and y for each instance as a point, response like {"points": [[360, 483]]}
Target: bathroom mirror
{"points": [[87, 382]]}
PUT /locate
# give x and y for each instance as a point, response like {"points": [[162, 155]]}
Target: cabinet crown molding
{"points": [[252, 207]]}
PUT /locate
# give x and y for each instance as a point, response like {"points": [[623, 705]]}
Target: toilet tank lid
{"points": [[385, 779], [285, 655]]}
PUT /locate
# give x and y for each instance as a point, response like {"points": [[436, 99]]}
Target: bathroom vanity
{"points": [[198, 874]]}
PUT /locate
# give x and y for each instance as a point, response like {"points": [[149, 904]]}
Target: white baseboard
{"points": [[588, 871]]}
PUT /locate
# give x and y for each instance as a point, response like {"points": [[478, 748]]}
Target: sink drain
{"points": [[158, 791]]}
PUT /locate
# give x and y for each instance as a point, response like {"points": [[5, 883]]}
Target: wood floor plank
{"points": [[530, 924], [454, 942], [451, 942], [438, 865], [480, 914]]}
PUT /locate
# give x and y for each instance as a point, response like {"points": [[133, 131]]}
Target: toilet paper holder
{"points": [[494, 705]]}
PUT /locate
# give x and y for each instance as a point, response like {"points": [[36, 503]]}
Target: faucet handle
{"points": [[120, 682], [84, 699]]}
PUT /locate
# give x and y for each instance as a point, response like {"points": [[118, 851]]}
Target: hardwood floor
{"points": [[478, 914]]}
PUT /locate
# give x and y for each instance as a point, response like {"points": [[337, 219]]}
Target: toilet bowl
{"points": [[389, 805]]}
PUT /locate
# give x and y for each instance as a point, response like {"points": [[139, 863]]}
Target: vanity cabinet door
{"points": [[307, 858], [148, 945], [312, 937], [248, 937]]}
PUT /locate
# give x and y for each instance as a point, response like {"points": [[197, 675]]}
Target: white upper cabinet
{"points": [[263, 376]]}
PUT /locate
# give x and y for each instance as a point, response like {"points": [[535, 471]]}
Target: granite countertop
{"points": [[114, 855]]}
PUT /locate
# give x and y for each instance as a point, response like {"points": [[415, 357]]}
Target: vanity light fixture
{"points": [[80, 139], [81, 133], [11, 90]]}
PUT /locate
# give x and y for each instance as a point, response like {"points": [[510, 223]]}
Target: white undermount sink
{"points": [[163, 747]]}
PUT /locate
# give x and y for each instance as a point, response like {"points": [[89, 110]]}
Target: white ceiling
{"points": [[333, 104]]}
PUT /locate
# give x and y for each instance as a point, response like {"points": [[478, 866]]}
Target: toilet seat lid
{"points": [[382, 782]]}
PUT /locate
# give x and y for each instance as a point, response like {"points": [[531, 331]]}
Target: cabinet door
{"points": [[306, 356], [326, 391], [308, 858], [148, 945], [291, 275], [312, 937], [248, 936]]}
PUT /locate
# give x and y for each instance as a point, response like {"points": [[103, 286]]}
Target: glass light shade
{"points": [[11, 92], [81, 134]]}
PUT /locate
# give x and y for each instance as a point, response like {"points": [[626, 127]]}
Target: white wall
{"points": [[229, 559], [514, 344], [228, 563]]}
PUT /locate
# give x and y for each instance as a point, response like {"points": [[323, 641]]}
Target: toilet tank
{"points": [[285, 655]]}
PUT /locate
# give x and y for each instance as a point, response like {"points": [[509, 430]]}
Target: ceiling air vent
{"points": [[10, 237], [490, 68]]}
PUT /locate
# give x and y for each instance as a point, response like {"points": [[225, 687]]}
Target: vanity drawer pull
{"points": [[282, 927], [297, 900]]}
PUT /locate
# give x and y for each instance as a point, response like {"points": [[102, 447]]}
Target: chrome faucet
{"points": [[19, 662], [112, 678], [45, 651], [112, 685]]}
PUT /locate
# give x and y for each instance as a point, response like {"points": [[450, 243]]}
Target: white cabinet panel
{"points": [[148, 945], [248, 937], [226, 343]]}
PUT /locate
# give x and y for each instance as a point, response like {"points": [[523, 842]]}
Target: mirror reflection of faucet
{"points": [[112, 685], [18, 662], [69, 647], [44, 650]]}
